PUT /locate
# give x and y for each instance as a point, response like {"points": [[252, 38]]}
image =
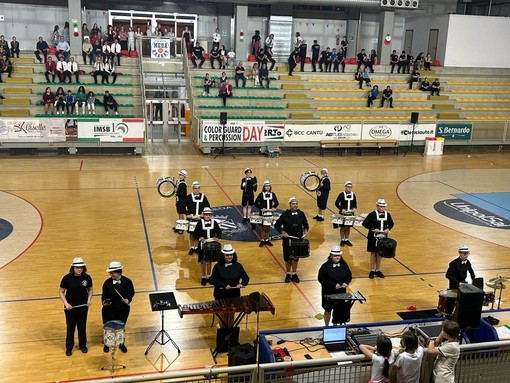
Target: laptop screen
{"points": [[334, 335]]}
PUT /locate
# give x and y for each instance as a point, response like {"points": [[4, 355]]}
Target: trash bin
{"points": [[434, 146]]}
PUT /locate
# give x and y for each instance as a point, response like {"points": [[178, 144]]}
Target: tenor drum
{"points": [[349, 220], [113, 333], [267, 218], [166, 187], [255, 218], [211, 251], [192, 226], [337, 219], [358, 221], [446, 301], [300, 248], [181, 225], [386, 247], [310, 181]]}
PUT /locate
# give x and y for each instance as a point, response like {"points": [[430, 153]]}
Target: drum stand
{"points": [[113, 366], [162, 302]]}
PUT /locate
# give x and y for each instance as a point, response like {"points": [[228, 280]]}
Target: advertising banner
{"points": [[241, 131], [316, 133], [32, 130], [111, 129], [454, 131], [160, 48]]}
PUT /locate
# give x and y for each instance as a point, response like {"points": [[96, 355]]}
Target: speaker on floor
{"points": [[241, 355], [414, 117], [223, 118], [468, 306], [227, 338]]}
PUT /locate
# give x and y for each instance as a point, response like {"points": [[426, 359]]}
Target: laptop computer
{"points": [[334, 339]]}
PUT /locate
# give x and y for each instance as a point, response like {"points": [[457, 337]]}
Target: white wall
{"points": [[478, 41], [421, 27], [324, 31]]}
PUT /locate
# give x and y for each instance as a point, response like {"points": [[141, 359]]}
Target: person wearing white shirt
{"points": [[270, 41], [171, 36], [109, 70], [61, 68], [115, 50], [63, 48], [72, 69], [99, 70], [106, 50], [131, 40], [216, 38]]}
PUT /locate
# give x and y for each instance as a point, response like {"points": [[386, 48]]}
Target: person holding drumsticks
{"points": [[334, 277], [322, 194], [195, 204], [459, 268], [266, 201], [379, 223], [249, 187], [180, 196], [207, 230], [292, 224], [76, 294], [346, 205], [117, 295], [228, 277]]}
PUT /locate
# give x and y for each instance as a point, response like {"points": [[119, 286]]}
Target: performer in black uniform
{"points": [[292, 223], [76, 293], [292, 60], [316, 48], [118, 293], [228, 277], [207, 229], [377, 222], [459, 268], [334, 277], [195, 204], [302, 54], [180, 196], [393, 60], [266, 202], [322, 194], [249, 187], [346, 205]]}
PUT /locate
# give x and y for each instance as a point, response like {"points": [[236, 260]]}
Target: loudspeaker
{"points": [[400, 3], [468, 306], [223, 118], [241, 355], [414, 117], [227, 338]]}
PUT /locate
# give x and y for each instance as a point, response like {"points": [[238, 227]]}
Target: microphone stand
{"points": [[411, 146], [222, 149]]}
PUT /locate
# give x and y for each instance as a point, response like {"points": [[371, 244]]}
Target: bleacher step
{"points": [[23, 69], [23, 60], [437, 98], [293, 86], [294, 95], [15, 113], [448, 116], [18, 80], [443, 106], [301, 116], [298, 105], [23, 90], [286, 77], [16, 101]]}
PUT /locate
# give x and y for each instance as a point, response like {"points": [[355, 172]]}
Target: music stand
{"points": [[162, 302]]}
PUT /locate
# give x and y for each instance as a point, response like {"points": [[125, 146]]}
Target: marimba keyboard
{"points": [[353, 296]]}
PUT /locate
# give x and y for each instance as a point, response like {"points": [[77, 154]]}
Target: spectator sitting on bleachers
{"points": [[223, 78], [61, 68], [402, 62], [97, 50], [373, 60], [231, 58], [264, 75], [14, 47], [115, 51], [208, 83], [85, 33], [51, 69], [239, 71], [109, 103], [325, 60], [363, 77], [387, 96], [72, 70], [91, 102], [333, 58], [197, 53], [70, 101], [86, 52], [5, 66], [214, 55], [393, 60], [435, 87], [48, 99], [60, 100], [63, 48], [372, 95], [225, 91], [81, 99], [105, 50], [41, 47], [223, 57], [427, 62], [413, 78], [4, 47], [425, 85], [360, 58], [254, 74], [109, 70], [418, 62], [99, 70]]}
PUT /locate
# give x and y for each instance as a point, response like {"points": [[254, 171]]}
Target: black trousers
{"points": [[76, 319]]}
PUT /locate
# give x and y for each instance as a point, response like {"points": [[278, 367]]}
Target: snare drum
{"points": [[211, 251], [349, 220], [113, 333], [358, 221], [446, 301], [181, 225], [310, 181], [267, 218], [386, 247], [300, 248], [192, 226], [255, 218], [337, 220], [166, 187]]}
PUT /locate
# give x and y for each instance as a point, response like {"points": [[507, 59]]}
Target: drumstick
{"points": [[74, 307], [293, 237], [117, 291]]}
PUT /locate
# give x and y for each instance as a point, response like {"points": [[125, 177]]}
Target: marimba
{"points": [[354, 296]]}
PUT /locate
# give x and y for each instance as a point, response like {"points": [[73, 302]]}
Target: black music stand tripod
{"points": [[162, 302], [414, 121]]}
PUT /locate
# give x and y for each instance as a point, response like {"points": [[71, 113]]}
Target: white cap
{"points": [[463, 249], [183, 173], [324, 170], [381, 202], [78, 262], [228, 249], [115, 265], [348, 183], [247, 170], [335, 250], [266, 182], [195, 183], [207, 210], [293, 199]]}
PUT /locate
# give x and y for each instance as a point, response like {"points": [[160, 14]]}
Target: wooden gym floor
{"points": [[105, 208]]}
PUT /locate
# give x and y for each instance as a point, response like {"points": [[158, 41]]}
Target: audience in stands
{"points": [[72, 70], [99, 70], [410, 62], [402, 62], [48, 99], [225, 91], [425, 85], [231, 58], [86, 52], [115, 51], [435, 87], [223, 57], [214, 55], [5, 65], [61, 68], [91, 102], [239, 74], [81, 100], [51, 69], [131, 41], [394, 60], [264, 76], [387, 95], [413, 78], [70, 101], [418, 62], [109, 103], [333, 60], [4, 47], [105, 50], [373, 60], [292, 60], [363, 76], [85, 33], [427, 62], [316, 48], [109, 70], [223, 77], [56, 35], [208, 83], [197, 53], [303, 47], [60, 100], [41, 48], [254, 74], [63, 48], [325, 60], [360, 58], [14, 47], [372, 95], [255, 43]]}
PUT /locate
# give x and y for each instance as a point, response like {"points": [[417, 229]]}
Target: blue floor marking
{"points": [[496, 203]]}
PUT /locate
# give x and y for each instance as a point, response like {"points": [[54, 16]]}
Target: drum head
{"points": [[310, 181], [166, 187]]}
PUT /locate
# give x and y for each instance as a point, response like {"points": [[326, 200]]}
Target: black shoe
{"points": [[191, 251], [269, 243], [316, 217], [203, 281], [123, 348], [348, 243], [287, 278], [295, 278], [379, 274], [84, 349], [342, 243], [261, 244], [174, 229], [320, 219], [371, 275], [69, 352], [106, 349]]}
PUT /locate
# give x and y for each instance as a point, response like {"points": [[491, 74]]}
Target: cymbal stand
{"points": [[113, 366]]}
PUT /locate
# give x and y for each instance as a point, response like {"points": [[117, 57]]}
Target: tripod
{"points": [[221, 152], [411, 146], [162, 302]]}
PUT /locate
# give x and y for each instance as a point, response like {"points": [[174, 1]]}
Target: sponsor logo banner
{"points": [[421, 132], [112, 130], [307, 133], [241, 131], [460, 210], [32, 130], [160, 48], [454, 131]]}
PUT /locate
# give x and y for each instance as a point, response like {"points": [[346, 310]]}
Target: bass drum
{"points": [[310, 181], [166, 187]]}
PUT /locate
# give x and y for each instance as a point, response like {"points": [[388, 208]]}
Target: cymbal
{"points": [[499, 279], [496, 286]]}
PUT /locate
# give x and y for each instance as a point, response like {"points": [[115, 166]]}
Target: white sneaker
{"points": [[58, 112], [116, 113], [90, 112], [107, 113]]}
